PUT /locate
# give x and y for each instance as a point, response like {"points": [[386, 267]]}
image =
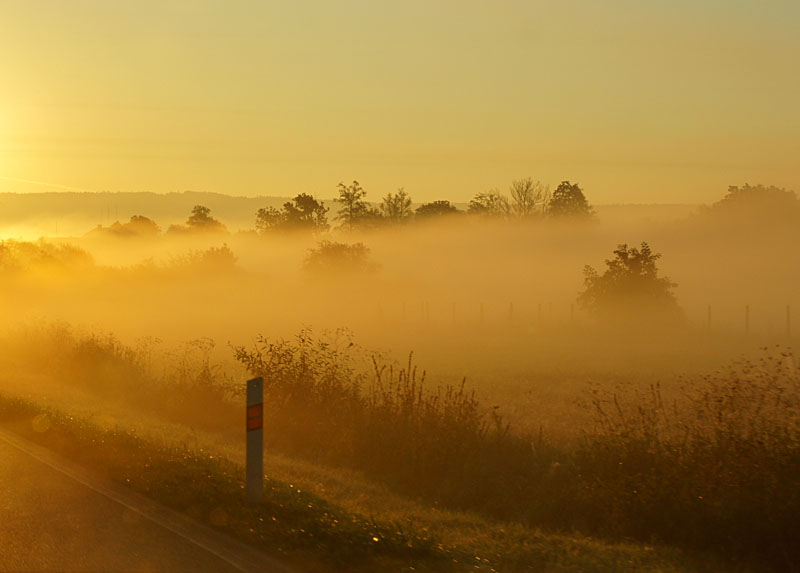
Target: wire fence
{"points": [[768, 321]]}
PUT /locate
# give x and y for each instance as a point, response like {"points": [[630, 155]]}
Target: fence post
{"points": [[254, 482], [747, 319]]}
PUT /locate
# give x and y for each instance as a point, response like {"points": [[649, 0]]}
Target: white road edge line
{"points": [[248, 559]]}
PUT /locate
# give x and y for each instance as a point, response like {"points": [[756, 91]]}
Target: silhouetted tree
{"points": [[489, 204], [142, 225], [201, 220], [758, 201], [528, 198], [355, 211], [211, 259], [630, 284], [396, 207], [332, 258], [269, 219], [218, 258], [436, 209], [306, 212], [303, 212], [138, 226], [568, 201]]}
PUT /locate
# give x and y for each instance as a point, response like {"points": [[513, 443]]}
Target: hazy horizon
{"points": [[54, 188], [399, 286]]}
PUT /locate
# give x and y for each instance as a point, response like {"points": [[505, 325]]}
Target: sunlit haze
{"points": [[442, 286], [643, 102]]}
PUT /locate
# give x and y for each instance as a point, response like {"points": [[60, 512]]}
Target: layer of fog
{"points": [[493, 301]]}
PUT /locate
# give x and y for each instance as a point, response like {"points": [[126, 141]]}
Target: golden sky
{"points": [[639, 101]]}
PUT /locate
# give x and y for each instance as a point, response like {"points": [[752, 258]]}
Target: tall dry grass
{"points": [[718, 467], [182, 383], [329, 399], [713, 469]]}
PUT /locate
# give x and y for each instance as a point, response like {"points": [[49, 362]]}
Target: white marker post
{"points": [[255, 440]]}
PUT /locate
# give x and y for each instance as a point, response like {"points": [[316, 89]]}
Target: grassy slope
{"points": [[317, 517]]}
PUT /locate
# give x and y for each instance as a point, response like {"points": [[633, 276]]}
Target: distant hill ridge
{"points": [[171, 207]]}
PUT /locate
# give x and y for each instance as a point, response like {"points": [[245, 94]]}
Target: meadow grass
{"points": [[711, 471], [298, 520], [715, 470]]}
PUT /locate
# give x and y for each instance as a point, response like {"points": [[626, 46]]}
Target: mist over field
{"points": [[492, 299], [486, 357], [430, 279], [422, 286]]}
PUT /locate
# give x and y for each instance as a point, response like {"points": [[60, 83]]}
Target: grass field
{"points": [[698, 477], [319, 518]]}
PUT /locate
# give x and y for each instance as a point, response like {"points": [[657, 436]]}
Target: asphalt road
{"points": [[52, 521]]}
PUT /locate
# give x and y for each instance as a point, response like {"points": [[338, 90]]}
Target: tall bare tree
{"points": [[528, 198]]}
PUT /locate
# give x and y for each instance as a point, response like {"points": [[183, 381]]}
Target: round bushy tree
{"points": [[568, 201], [201, 220], [435, 209], [629, 287], [342, 259]]}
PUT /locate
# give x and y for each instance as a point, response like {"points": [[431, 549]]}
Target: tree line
{"points": [[526, 200]]}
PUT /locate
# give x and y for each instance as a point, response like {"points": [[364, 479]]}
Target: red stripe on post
{"points": [[255, 417]]}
